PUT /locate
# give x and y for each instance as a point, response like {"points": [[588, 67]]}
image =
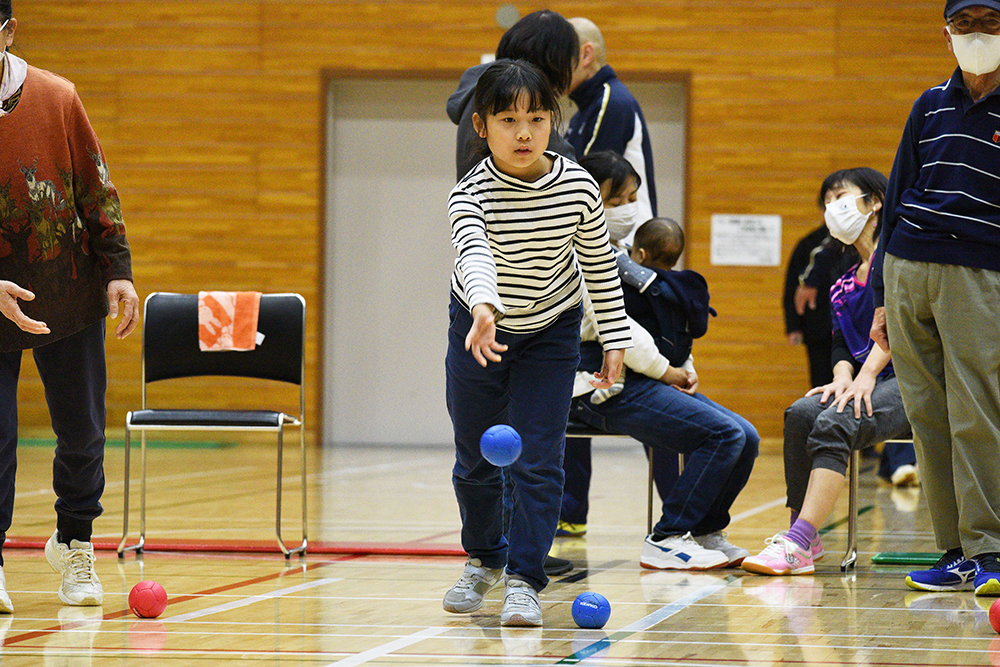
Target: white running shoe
{"points": [[718, 541], [679, 552], [468, 592], [520, 605], [80, 585], [6, 606]]}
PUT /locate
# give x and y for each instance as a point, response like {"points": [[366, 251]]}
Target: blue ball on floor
{"points": [[591, 610], [500, 445]]}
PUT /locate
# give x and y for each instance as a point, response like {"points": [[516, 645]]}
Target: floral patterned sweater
{"points": [[61, 229]]}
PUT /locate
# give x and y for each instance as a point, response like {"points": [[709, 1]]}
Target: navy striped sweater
{"points": [[943, 200], [516, 242]]}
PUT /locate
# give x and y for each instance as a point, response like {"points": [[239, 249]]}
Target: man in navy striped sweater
{"points": [[938, 298]]}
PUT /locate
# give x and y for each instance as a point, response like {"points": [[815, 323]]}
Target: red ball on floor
{"points": [[147, 599]]}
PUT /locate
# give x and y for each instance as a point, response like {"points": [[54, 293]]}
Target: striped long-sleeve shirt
{"points": [[516, 243], [942, 204]]}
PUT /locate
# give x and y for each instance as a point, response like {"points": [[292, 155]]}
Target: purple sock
{"points": [[802, 533], [795, 515]]}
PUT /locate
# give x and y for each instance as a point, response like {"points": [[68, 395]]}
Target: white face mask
{"points": [[844, 220], [977, 53], [621, 220]]}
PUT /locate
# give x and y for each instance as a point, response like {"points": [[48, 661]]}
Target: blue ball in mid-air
{"points": [[591, 610], [500, 445]]}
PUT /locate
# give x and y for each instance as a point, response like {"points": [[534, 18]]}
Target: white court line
{"points": [[386, 649], [778, 502], [249, 600], [648, 621], [668, 610]]}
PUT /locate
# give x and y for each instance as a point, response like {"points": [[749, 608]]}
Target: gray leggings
{"points": [[817, 436]]}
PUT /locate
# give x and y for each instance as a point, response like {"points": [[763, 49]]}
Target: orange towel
{"points": [[228, 321]]}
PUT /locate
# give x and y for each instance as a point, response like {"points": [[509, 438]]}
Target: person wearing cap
{"points": [[937, 291]]}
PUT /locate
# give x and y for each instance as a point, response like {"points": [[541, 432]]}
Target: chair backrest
{"points": [[170, 341]]}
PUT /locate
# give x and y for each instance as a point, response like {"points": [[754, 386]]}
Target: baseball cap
{"points": [[951, 7]]}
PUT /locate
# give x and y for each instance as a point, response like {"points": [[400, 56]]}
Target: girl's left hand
{"points": [[481, 339], [861, 392], [611, 370]]}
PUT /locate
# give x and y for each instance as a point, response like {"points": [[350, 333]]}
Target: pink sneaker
{"points": [[780, 557], [816, 546]]}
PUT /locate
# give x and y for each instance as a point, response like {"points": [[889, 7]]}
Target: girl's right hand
{"points": [[835, 389], [9, 294], [481, 340]]}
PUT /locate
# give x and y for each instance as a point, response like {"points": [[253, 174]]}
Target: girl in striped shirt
{"points": [[528, 225]]}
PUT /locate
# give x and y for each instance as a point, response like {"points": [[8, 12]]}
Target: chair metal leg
{"points": [[649, 493], [137, 547], [851, 556], [301, 550]]}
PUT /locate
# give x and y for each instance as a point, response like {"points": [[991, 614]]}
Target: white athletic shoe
{"points": [[6, 606], [80, 585], [467, 594], [679, 552], [520, 605], [717, 542]]}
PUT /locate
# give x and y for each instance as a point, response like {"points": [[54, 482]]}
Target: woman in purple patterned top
{"points": [[860, 407]]}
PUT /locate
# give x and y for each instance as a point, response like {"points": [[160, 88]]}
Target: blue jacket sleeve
{"points": [[905, 171]]}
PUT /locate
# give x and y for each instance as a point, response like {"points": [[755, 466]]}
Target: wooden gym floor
{"points": [[335, 608]]}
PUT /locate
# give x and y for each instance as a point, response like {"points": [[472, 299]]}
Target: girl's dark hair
{"points": [[548, 41], [604, 165], [871, 182], [6, 10], [504, 81]]}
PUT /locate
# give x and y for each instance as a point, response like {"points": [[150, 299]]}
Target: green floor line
{"points": [[906, 558], [150, 444], [840, 522]]}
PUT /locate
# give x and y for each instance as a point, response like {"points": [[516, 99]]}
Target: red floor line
{"points": [[34, 634], [414, 548]]}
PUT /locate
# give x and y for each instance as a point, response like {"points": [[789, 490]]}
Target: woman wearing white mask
{"points": [[860, 407]]}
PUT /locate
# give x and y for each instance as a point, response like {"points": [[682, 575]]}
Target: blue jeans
{"points": [[718, 445], [530, 389], [74, 374]]}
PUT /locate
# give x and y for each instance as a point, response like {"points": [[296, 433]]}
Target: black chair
{"points": [[170, 351]]}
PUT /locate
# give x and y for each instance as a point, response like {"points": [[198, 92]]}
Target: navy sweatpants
{"points": [[74, 373]]}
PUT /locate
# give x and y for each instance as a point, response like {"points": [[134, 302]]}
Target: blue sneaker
{"points": [[988, 575], [952, 572]]}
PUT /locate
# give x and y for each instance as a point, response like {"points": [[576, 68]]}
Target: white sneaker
{"points": [[6, 606], [520, 605], [717, 542], [679, 552], [80, 585], [468, 592]]}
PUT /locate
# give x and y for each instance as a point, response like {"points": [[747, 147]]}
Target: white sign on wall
{"points": [[746, 240]]}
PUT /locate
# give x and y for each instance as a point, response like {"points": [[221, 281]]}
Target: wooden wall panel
{"points": [[210, 113]]}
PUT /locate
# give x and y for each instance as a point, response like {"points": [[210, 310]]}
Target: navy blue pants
{"points": [[74, 373], [530, 389], [719, 448]]}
